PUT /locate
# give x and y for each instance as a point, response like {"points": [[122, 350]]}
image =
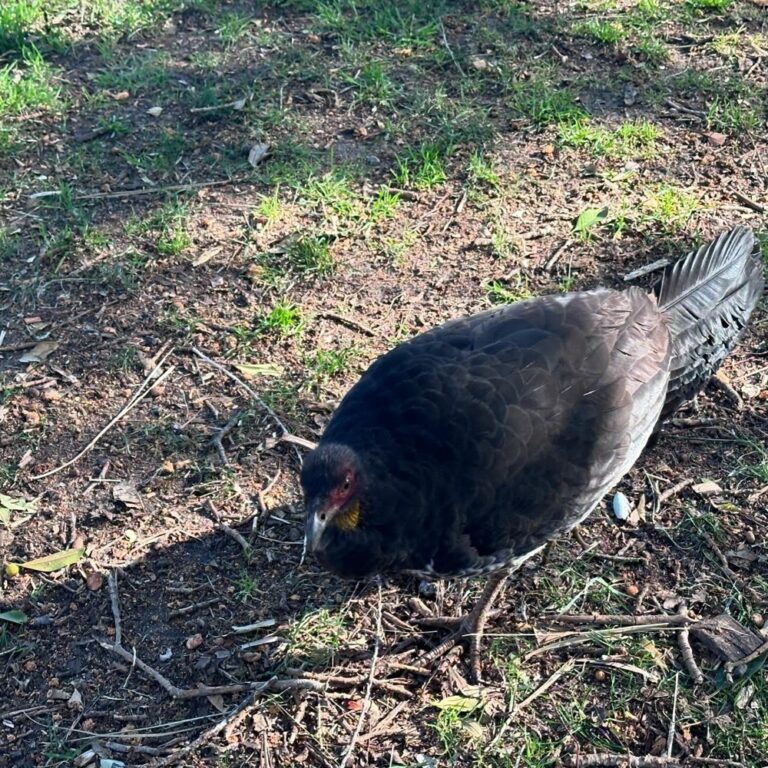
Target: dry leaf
{"points": [[54, 562], [251, 370], [39, 352], [257, 153], [458, 703], [94, 581], [207, 255], [125, 493], [707, 488]]}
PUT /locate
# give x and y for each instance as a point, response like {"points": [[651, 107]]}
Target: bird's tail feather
{"points": [[707, 298]]}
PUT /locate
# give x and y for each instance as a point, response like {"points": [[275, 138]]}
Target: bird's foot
{"points": [[468, 630]]}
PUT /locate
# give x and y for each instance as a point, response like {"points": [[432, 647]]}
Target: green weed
{"points": [[27, 85], [312, 255], [422, 168], [284, 319]]}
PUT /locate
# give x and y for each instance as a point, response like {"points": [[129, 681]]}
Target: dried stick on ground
{"points": [[622, 621], [139, 395], [368, 688], [252, 392], [621, 761], [686, 652]]}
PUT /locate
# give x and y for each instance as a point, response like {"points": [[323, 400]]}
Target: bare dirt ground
{"points": [[422, 161]]}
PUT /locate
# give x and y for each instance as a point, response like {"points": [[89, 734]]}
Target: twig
{"points": [[683, 108], [543, 688], [114, 600], [369, 687], [140, 394], [718, 553], [673, 719], [646, 270], [139, 192], [220, 433], [751, 204], [623, 621], [689, 661], [347, 322], [448, 48], [296, 440], [558, 252], [193, 607], [624, 761], [252, 392], [674, 490]]}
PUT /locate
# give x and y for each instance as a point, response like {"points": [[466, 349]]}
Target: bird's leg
{"points": [[470, 627]]}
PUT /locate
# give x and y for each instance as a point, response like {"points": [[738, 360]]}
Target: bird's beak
{"points": [[314, 526]]}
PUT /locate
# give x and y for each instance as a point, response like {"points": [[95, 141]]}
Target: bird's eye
{"points": [[347, 483]]}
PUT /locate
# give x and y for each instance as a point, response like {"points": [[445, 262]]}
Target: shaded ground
{"points": [[424, 160]]}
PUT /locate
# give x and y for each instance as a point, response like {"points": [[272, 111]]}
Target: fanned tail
{"points": [[707, 298]]}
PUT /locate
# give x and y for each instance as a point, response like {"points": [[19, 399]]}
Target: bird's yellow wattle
{"points": [[349, 518]]}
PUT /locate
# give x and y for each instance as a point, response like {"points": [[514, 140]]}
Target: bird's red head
{"points": [[332, 484]]}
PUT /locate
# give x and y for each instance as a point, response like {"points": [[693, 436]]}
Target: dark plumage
{"points": [[467, 448]]}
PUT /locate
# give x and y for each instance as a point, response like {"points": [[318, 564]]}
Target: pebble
{"points": [[621, 506]]}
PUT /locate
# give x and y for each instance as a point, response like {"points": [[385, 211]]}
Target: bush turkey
{"points": [[464, 450]]}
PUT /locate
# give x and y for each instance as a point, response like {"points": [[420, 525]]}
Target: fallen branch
{"points": [[683, 641], [139, 395], [674, 490], [369, 687], [671, 620], [621, 761], [347, 322], [252, 392], [543, 688]]}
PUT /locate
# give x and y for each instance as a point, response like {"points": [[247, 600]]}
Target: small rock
{"points": [[168, 467], [718, 139], [633, 590], [758, 619], [155, 111], [600, 675], [94, 581], [480, 64], [621, 506], [193, 642], [749, 536], [52, 395]]}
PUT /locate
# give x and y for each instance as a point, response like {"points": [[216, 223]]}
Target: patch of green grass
{"points": [[753, 463], [383, 205], [482, 171], [270, 207], [542, 102], [316, 637], [233, 27], [284, 319], [630, 139], [17, 17], [27, 85], [173, 241], [671, 206], [373, 85], [246, 585], [709, 5], [509, 291], [732, 116], [602, 30], [421, 168], [311, 254], [395, 249], [137, 73], [651, 49], [408, 24], [333, 194]]}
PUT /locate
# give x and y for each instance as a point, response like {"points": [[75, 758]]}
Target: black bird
{"points": [[464, 450]]}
